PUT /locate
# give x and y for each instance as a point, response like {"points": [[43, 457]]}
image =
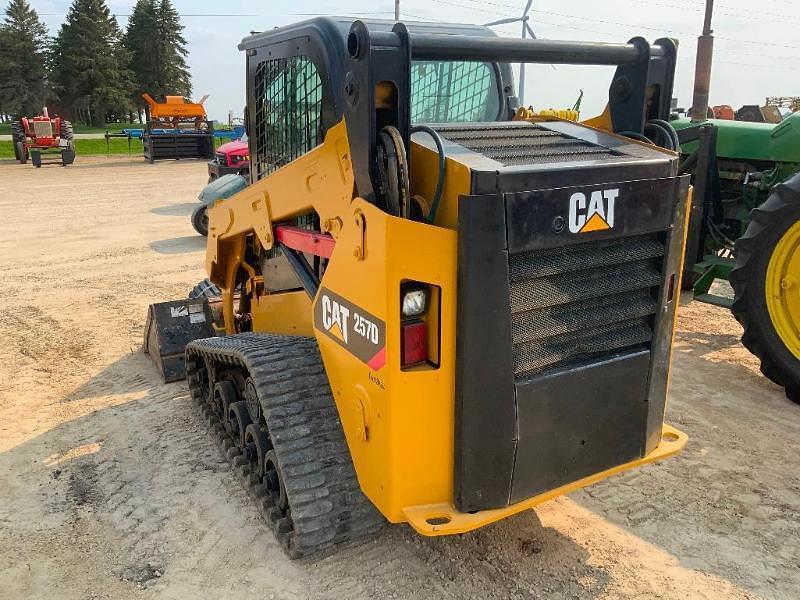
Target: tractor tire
{"points": [[17, 140], [36, 159], [21, 151], [205, 289], [767, 289], [200, 219], [66, 131]]}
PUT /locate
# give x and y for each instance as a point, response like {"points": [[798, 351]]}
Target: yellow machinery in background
{"points": [[175, 109]]}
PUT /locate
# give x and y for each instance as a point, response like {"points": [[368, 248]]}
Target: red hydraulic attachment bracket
{"points": [[303, 240]]}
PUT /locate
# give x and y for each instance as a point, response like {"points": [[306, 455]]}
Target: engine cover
{"points": [[569, 252]]}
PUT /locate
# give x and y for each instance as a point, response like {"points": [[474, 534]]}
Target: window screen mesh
{"points": [[288, 119], [448, 92]]}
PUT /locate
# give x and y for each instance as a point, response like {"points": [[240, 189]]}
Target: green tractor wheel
{"points": [[766, 284]]}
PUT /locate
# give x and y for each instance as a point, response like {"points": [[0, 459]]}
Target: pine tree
{"points": [[141, 43], [175, 75], [157, 49], [90, 64], [23, 51]]}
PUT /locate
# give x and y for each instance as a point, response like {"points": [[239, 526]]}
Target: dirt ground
{"points": [[110, 486]]}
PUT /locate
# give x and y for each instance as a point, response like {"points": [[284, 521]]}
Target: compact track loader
{"points": [[431, 312]]}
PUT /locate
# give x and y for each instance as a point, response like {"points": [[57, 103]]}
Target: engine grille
{"points": [[524, 143], [580, 303], [43, 129]]}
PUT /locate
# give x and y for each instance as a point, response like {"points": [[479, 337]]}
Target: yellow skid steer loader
{"points": [[432, 312]]}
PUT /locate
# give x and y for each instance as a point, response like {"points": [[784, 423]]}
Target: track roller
{"points": [[237, 422], [224, 395]]}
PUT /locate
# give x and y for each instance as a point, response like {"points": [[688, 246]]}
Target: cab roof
{"points": [[336, 29]]}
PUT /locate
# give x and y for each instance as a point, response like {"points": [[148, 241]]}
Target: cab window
{"points": [[452, 92]]}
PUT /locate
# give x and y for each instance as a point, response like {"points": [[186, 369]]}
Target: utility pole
{"points": [[396, 10], [702, 68]]}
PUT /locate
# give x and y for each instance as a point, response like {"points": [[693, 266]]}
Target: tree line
{"points": [[91, 71]]}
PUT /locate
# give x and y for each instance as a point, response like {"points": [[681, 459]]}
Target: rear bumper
{"points": [[448, 521]]}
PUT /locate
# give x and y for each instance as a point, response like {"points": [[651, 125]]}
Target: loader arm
{"points": [[327, 188]]}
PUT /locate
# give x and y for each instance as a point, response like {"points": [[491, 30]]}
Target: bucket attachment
{"points": [[170, 326]]}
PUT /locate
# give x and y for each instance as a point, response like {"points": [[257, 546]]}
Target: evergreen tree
{"points": [[157, 49], [90, 64], [141, 43], [23, 52], [175, 75]]}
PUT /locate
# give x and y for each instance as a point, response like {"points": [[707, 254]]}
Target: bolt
{"points": [[788, 283]]}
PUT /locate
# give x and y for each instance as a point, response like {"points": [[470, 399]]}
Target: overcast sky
{"points": [[756, 45]]}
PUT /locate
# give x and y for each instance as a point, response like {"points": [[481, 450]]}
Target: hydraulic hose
{"points": [[661, 132], [636, 136], [437, 194], [670, 129]]}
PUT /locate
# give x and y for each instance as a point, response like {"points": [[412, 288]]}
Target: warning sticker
{"points": [[178, 311]]}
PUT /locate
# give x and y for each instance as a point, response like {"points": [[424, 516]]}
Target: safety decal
{"points": [[352, 327]]}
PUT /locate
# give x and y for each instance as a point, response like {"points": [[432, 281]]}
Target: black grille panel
{"points": [[222, 159], [524, 143], [583, 302]]}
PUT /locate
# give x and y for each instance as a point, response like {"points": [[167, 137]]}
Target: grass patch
{"points": [[89, 147], [5, 128]]}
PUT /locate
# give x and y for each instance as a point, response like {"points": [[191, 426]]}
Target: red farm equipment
{"points": [[34, 135]]}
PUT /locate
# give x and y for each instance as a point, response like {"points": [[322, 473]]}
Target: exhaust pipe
{"points": [[702, 69]]}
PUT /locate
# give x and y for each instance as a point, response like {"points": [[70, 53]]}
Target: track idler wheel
{"points": [[225, 394], [251, 397], [273, 480], [237, 422], [256, 446]]}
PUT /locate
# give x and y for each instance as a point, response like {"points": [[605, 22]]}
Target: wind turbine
{"points": [[526, 31]]}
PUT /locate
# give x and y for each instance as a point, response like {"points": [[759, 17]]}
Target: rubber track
{"points": [[205, 289], [327, 505]]}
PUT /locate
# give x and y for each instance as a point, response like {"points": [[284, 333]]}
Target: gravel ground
{"points": [[110, 486]]}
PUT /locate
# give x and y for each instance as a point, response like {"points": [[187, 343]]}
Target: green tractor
{"points": [[745, 227]]}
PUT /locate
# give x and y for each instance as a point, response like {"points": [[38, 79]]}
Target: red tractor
{"points": [[32, 136], [233, 157]]}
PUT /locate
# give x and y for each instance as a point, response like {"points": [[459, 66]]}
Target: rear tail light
{"points": [[419, 324], [414, 300], [413, 342]]}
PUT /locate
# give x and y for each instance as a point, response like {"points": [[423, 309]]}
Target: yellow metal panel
{"points": [[601, 121], [398, 424], [444, 519], [423, 178], [288, 313]]}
